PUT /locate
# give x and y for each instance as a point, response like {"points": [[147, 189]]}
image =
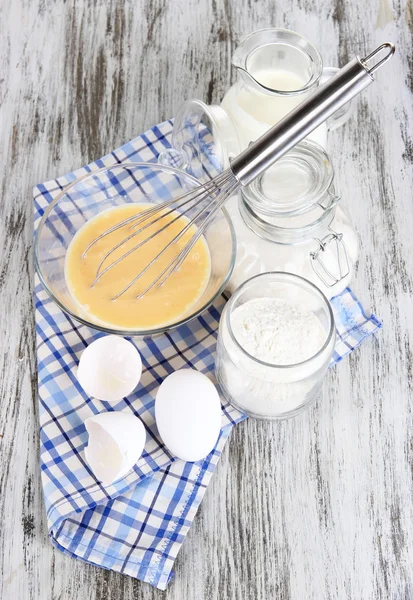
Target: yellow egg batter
{"points": [[158, 307]]}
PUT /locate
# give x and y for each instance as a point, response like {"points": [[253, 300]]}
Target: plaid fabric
{"points": [[137, 525]]}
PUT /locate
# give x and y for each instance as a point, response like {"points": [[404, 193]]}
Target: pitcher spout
{"points": [[267, 50]]}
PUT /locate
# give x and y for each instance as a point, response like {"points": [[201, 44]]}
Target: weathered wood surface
{"points": [[315, 508]]}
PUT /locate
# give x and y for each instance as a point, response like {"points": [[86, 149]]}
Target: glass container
{"points": [[114, 186], [265, 390], [203, 140], [289, 219], [277, 69]]}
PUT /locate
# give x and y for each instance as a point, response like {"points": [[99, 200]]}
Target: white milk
{"points": [[253, 112], [270, 108]]}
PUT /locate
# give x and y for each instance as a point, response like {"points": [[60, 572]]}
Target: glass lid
{"points": [[204, 140], [295, 184]]}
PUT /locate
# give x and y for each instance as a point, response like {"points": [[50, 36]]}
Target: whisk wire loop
{"points": [[209, 197], [195, 196], [142, 216], [180, 257]]}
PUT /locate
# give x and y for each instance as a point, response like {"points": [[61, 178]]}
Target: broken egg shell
{"points": [[110, 368], [116, 442]]}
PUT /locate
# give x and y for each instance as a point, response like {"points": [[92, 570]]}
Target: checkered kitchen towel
{"points": [[137, 525]]}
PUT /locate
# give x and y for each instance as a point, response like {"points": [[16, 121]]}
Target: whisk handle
{"points": [[314, 110]]}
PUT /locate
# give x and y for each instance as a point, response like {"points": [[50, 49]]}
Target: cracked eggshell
{"points": [[110, 368], [116, 442], [188, 414]]}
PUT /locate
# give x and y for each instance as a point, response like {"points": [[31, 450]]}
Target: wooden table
{"points": [[314, 508]]}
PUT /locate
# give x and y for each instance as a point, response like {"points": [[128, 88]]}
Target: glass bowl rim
{"points": [[130, 332], [288, 276]]}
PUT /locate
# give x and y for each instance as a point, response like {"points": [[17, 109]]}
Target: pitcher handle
{"points": [[344, 113]]}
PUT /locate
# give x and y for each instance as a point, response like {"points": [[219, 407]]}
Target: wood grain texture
{"points": [[318, 507]]}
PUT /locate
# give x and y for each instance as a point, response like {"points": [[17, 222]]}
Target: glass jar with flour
{"points": [[275, 342]]}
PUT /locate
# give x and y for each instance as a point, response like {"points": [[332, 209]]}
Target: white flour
{"points": [[277, 332], [274, 331]]}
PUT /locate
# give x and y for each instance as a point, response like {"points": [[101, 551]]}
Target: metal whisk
{"points": [[216, 191], [248, 165]]}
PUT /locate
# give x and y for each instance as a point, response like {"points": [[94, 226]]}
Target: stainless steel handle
{"points": [[317, 108]]}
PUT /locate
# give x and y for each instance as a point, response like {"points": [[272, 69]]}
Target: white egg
{"points": [[116, 442], [110, 368], [188, 414]]}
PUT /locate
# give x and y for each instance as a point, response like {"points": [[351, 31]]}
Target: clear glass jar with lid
{"points": [[265, 389], [289, 219]]}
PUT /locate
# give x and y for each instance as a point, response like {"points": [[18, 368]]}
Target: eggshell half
{"points": [[188, 414], [110, 368], [116, 442]]}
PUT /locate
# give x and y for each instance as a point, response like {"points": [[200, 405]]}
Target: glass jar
{"points": [[289, 219], [277, 69], [265, 390]]}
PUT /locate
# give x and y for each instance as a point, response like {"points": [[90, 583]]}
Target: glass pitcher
{"points": [[277, 69]]}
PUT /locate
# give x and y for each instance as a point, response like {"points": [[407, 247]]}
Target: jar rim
{"points": [[287, 276], [314, 171], [288, 235]]}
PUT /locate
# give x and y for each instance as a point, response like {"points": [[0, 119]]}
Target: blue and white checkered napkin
{"points": [[137, 525]]}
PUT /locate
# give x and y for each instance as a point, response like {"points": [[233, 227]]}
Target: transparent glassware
{"points": [[290, 219], [264, 390], [115, 186], [203, 140], [277, 69]]}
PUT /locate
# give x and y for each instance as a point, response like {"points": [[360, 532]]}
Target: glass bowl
{"points": [[115, 186], [267, 390]]}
